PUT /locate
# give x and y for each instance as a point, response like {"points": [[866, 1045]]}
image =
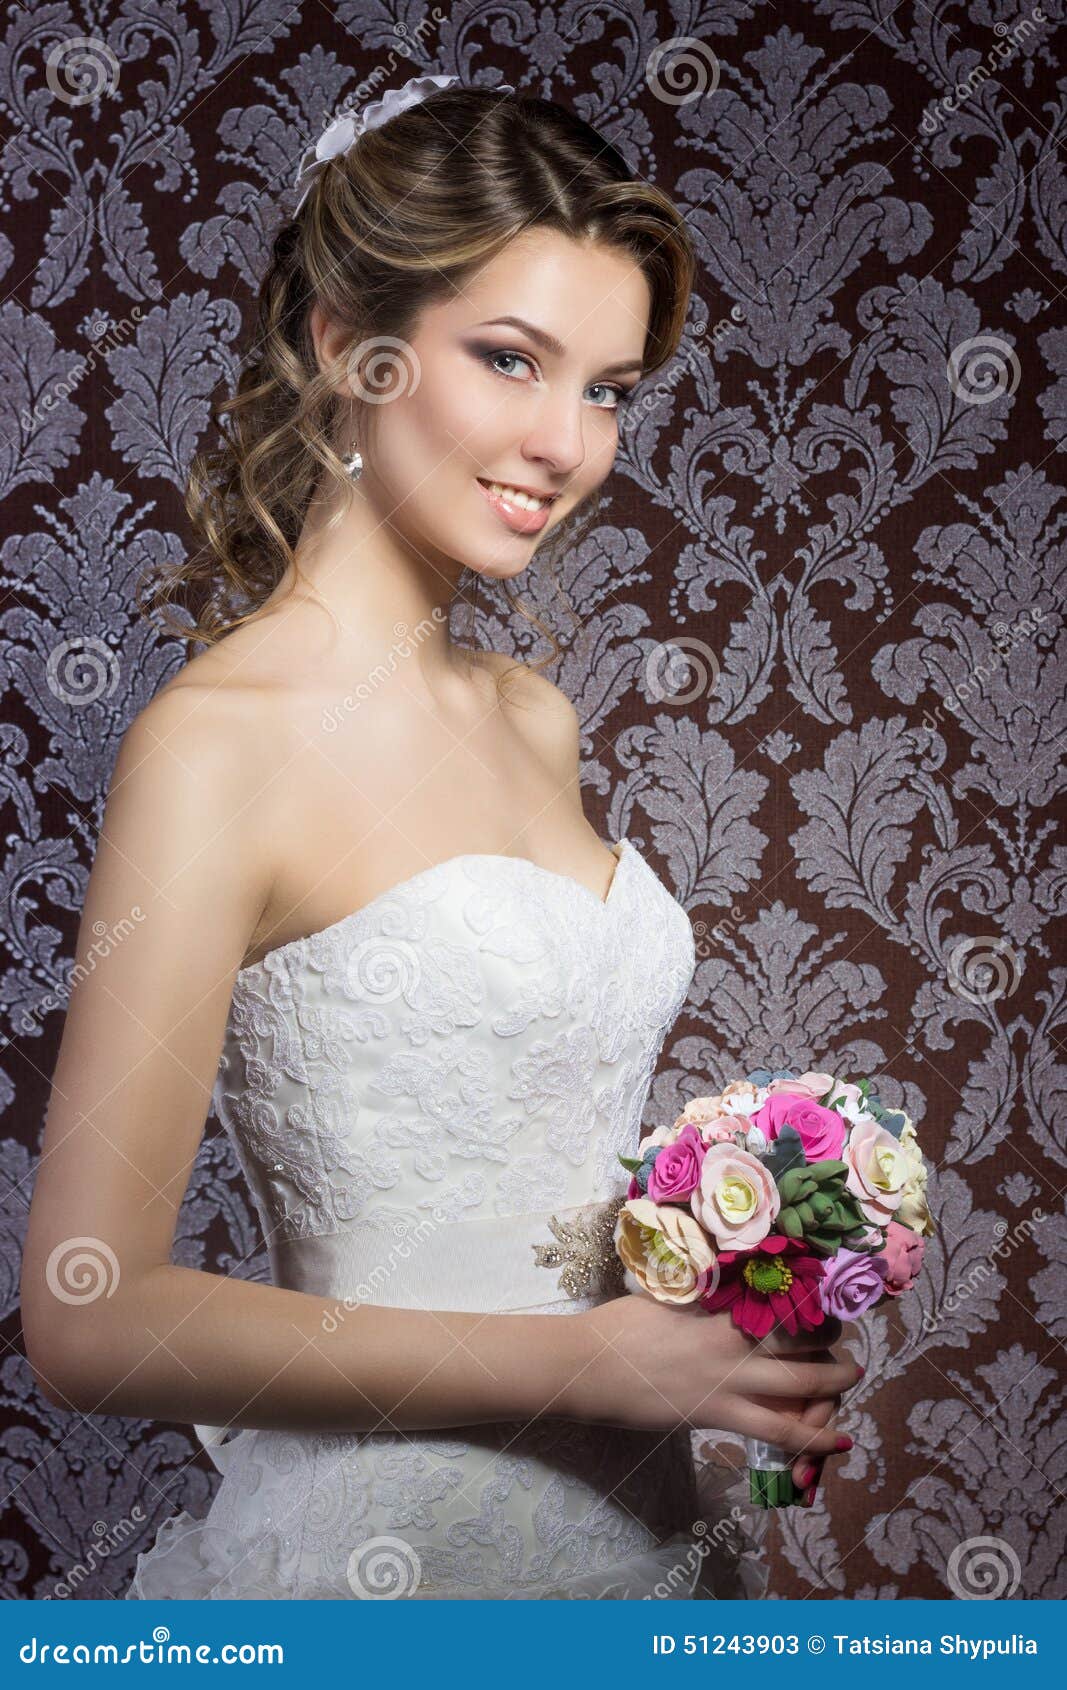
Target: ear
{"points": [[330, 342]]}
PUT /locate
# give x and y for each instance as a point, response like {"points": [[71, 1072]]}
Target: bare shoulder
{"points": [[209, 749]]}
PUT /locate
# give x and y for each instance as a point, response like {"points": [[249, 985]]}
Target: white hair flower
{"points": [[346, 127]]}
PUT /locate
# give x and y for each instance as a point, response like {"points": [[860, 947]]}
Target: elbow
{"points": [[54, 1382], [56, 1369]]}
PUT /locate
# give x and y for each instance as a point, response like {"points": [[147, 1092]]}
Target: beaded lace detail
{"points": [[585, 1249]]}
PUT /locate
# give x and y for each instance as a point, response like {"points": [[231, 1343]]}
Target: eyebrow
{"points": [[551, 344]]}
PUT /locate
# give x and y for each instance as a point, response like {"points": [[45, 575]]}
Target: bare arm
{"points": [[178, 885]]}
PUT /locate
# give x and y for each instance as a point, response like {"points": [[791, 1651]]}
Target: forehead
{"points": [[584, 293]]}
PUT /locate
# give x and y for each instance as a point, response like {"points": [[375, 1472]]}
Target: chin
{"points": [[498, 569]]}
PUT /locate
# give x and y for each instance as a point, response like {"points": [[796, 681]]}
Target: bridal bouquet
{"points": [[786, 1198]]}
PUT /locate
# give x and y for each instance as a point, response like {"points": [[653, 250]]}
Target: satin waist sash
{"points": [[552, 1260]]}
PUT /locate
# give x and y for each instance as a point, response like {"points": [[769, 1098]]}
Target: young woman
{"points": [[355, 900]]}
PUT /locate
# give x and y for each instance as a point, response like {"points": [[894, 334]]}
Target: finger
{"points": [[789, 1431], [779, 1341], [807, 1469], [804, 1379]]}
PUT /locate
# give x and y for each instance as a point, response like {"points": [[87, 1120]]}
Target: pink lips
{"points": [[518, 520]]}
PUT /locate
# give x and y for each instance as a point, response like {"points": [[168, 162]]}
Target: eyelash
{"points": [[622, 395]]}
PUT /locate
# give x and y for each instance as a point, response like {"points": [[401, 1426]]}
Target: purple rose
{"points": [[675, 1173], [853, 1283]]}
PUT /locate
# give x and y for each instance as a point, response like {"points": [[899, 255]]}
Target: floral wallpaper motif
{"points": [[818, 663]]}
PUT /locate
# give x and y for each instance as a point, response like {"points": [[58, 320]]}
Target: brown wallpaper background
{"points": [[835, 531]]}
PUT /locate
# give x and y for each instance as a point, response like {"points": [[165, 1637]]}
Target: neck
{"points": [[379, 587]]}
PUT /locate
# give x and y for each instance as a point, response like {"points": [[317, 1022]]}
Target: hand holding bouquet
{"points": [[787, 1198]]}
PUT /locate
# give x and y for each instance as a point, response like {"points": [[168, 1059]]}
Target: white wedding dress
{"points": [[428, 1099]]}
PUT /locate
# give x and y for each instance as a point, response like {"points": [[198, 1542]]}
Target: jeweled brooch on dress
{"points": [[585, 1251]]}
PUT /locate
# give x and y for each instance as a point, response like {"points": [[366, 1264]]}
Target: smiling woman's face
{"points": [[495, 403]]}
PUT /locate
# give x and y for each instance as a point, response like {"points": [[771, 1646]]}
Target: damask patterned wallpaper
{"points": [[817, 667]]}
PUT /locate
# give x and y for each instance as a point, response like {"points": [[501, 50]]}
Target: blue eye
{"points": [[488, 358]]}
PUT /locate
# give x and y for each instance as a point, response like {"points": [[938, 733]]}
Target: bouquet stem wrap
{"points": [[770, 1475]]}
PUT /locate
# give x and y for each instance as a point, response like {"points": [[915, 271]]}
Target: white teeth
{"points": [[514, 497]]}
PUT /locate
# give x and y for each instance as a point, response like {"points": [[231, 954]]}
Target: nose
{"points": [[556, 437]]}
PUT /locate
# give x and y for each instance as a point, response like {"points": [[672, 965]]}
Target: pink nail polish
{"points": [[806, 1478], [843, 1444], [809, 1496]]}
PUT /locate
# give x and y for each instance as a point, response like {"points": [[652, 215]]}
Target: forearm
{"points": [[194, 1347]]}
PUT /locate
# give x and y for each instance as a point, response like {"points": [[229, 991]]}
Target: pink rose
{"points": [[877, 1171], [903, 1256], [676, 1170], [724, 1129], [809, 1085], [737, 1199], [822, 1132], [851, 1284]]}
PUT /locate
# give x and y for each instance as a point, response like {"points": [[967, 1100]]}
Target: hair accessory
{"points": [[345, 128]]}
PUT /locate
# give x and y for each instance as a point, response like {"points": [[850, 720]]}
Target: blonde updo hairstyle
{"points": [[398, 223]]}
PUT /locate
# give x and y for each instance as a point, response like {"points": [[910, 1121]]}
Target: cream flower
{"points": [[741, 1096], [914, 1210], [661, 1136], [697, 1111], [737, 1199], [877, 1171], [668, 1253]]}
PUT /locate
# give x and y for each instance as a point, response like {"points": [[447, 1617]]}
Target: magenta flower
{"points": [[774, 1284], [822, 1131], [676, 1171]]}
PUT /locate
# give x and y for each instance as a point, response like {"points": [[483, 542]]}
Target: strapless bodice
{"points": [[474, 1045]]}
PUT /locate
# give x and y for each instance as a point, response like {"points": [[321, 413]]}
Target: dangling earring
{"points": [[354, 464]]}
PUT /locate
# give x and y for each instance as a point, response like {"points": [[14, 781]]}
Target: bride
{"points": [[353, 902]]}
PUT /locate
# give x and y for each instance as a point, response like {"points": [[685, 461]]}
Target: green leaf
{"points": [[631, 1163]]}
